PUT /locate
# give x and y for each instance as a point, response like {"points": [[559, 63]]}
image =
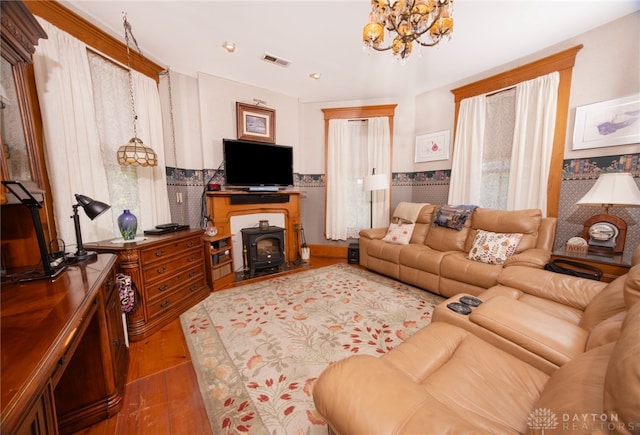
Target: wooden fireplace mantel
{"points": [[224, 204]]}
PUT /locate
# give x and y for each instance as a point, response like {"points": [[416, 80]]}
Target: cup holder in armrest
{"points": [[459, 308], [471, 301]]}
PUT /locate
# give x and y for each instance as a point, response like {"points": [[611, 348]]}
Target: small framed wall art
{"points": [[608, 123], [256, 123], [432, 146]]}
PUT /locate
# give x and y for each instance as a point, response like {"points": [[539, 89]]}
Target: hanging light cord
{"points": [[173, 127], [127, 32]]}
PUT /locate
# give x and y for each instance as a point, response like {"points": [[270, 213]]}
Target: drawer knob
{"points": [[165, 304], [193, 288], [160, 253], [163, 287], [191, 259], [190, 244], [193, 273]]}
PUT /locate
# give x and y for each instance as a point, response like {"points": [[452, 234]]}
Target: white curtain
{"points": [[86, 110], [379, 150], [536, 106], [346, 163], [355, 148], [466, 168], [73, 157]]}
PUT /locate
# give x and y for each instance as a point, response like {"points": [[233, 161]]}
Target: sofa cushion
{"points": [[399, 233], [445, 239], [493, 248], [458, 267], [423, 224], [526, 222], [605, 304]]}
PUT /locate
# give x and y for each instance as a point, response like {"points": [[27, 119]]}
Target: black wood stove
{"points": [[263, 249]]}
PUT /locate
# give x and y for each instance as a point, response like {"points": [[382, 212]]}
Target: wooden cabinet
{"points": [[63, 367], [220, 270], [168, 272]]}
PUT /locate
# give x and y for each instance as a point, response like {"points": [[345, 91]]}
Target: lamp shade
{"points": [[376, 182], [616, 189], [92, 208]]}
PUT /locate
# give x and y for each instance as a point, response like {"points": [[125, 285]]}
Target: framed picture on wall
{"points": [[608, 123], [255, 123], [432, 146]]}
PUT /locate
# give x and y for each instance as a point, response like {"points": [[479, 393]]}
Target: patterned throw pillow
{"points": [[399, 233], [493, 248]]}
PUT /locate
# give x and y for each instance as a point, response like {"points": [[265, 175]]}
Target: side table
{"points": [[612, 266]]}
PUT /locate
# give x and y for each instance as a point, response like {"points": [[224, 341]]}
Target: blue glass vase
{"points": [[128, 225]]}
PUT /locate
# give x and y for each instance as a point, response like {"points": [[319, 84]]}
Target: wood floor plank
{"points": [[162, 396], [185, 406]]}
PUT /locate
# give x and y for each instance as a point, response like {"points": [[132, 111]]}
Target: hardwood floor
{"points": [[162, 395]]}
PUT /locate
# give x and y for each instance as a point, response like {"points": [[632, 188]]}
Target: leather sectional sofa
{"points": [[542, 353], [436, 257]]}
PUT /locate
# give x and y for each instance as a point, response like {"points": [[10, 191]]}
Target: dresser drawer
{"points": [[159, 306], [175, 281], [164, 270], [162, 252]]}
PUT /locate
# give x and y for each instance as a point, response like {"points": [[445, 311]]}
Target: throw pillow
{"points": [[493, 248], [453, 217], [399, 233]]}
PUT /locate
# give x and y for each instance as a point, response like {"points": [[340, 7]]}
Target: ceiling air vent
{"points": [[275, 60]]}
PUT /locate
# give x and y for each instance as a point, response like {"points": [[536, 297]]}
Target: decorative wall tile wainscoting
{"points": [[186, 189]]}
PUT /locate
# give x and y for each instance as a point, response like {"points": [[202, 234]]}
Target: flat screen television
{"points": [[254, 164]]}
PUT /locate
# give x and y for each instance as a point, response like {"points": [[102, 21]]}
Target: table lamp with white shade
{"points": [[604, 232]]}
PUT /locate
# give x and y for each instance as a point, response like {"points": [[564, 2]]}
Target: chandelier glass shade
{"points": [[134, 153], [424, 22]]}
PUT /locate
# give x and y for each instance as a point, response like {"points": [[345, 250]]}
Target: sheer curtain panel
{"points": [[379, 149], [466, 168], [72, 145], [536, 107]]}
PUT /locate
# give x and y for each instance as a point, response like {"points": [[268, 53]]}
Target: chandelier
{"points": [[134, 152], [409, 20]]}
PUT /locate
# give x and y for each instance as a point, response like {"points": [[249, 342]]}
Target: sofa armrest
{"points": [[564, 289], [373, 233], [531, 257], [556, 340]]}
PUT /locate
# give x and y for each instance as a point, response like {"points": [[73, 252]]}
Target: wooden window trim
{"points": [[562, 62], [94, 37]]}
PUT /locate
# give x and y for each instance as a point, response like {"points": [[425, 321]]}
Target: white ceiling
{"points": [[325, 37]]}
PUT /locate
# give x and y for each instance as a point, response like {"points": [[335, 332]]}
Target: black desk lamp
{"points": [[93, 209]]}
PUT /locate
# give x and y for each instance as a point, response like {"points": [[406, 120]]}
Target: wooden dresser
{"points": [[168, 272], [64, 354]]}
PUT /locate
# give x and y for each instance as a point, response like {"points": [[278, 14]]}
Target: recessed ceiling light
{"points": [[315, 76], [229, 46]]}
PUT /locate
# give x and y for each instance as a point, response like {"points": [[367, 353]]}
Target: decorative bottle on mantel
{"points": [[128, 225]]}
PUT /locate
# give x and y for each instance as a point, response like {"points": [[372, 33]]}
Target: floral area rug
{"points": [[258, 349]]}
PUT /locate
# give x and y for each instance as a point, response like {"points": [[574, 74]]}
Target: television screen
{"points": [[248, 164]]}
